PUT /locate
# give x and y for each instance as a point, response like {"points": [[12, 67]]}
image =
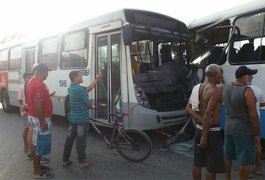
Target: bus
{"points": [[231, 38], [125, 47]]}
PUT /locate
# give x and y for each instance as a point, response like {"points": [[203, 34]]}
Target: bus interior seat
{"points": [[233, 55], [246, 53], [259, 53], [216, 53], [145, 67]]}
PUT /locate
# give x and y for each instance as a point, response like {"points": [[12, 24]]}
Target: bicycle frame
{"points": [[125, 142], [110, 143]]}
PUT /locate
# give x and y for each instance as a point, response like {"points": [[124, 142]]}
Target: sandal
{"points": [[258, 173], [43, 176], [165, 147], [84, 165], [67, 163], [45, 169]]}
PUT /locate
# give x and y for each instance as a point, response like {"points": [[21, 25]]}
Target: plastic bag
{"points": [[43, 145]]}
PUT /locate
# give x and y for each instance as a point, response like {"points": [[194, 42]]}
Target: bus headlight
{"points": [[140, 96]]}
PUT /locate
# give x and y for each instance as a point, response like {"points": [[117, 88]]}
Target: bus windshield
{"points": [[149, 68]]}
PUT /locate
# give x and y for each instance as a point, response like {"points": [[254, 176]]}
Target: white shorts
{"points": [[35, 124]]}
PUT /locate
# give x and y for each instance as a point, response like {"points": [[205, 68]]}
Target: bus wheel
{"points": [[5, 102]]}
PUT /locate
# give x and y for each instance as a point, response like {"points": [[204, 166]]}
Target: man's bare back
{"points": [[209, 92]]}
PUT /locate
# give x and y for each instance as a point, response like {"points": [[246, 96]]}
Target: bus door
{"points": [[29, 59], [108, 91]]}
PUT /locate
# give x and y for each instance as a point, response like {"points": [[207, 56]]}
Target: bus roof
{"points": [[255, 5], [133, 16]]}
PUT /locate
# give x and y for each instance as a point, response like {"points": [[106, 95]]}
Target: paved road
{"points": [[106, 164]]}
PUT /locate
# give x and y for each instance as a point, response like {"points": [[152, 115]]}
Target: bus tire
{"points": [[6, 102]]}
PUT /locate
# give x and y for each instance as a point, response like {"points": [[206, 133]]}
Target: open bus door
{"points": [[108, 91]]}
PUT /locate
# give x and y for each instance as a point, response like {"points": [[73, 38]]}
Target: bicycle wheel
{"points": [[134, 145]]}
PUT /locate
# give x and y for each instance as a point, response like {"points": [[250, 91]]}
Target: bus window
{"points": [[74, 53], [15, 58], [248, 39], [3, 60], [141, 54], [115, 73], [29, 59], [259, 51], [48, 52]]}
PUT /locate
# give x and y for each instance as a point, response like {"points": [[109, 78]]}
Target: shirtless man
{"points": [[208, 143]]}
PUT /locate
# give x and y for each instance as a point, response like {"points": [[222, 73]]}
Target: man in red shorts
{"points": [[39, 114]]}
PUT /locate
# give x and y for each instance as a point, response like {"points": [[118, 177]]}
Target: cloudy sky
{"points": [[31, 16]]}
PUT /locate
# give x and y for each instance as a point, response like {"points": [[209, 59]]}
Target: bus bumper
{"points": [[147, 119]]}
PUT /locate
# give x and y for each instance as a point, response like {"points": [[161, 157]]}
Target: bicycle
{"points": [[132, 144]]}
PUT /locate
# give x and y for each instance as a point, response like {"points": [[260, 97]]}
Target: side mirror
{"points": [[127, 34]]}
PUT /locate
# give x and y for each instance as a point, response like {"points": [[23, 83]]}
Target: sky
{"points": [[45, 16]]}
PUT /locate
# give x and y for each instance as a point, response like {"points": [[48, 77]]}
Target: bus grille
{"points": [[167, 101]]}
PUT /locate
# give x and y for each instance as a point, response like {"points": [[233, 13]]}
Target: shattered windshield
{"points": [[159, 60], [146, 55], [210, 44]]}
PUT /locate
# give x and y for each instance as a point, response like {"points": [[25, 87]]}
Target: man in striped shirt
{"points": [[78, 118]]}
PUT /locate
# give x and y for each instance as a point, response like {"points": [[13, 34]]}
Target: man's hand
{"points": [[98, 76], [52, 94], [43, 126], [23, 107], [203, 143], [257, 143]]}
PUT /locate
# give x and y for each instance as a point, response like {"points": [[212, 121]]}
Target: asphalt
{"points": [[107, 164]]}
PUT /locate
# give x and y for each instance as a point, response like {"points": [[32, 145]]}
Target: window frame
{"points": [[40, 52], [7, 53], [75, 51], [16, 59]]}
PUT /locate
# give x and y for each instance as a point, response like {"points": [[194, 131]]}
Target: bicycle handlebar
{"points": [[117, 115], [120, 116]]}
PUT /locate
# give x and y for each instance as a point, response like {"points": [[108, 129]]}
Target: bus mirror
{"points": [[127, 34]]}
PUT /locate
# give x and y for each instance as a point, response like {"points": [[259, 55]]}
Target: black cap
{"points": [[244, 70], [41, 67]]}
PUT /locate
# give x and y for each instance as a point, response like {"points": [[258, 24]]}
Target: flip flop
{"points": [[85, 165], [258, 173], [45, 169], [67, 163], [165, 147], [43, 176]]}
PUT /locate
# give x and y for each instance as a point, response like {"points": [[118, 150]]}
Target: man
{"points": [[260, 102], [173, 72], [208, 143], [39, 114], [242, 128], [23, 110], [78, 118]]}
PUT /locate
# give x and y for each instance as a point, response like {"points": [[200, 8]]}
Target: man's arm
{"points": [[212, 103], [194, 114], [94, 83], [252, 109]]}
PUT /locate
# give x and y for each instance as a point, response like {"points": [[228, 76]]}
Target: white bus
{"points": [[125, 47], [232, 38]]}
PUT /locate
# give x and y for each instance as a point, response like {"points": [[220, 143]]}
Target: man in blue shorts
{"points": [[242, 129]]}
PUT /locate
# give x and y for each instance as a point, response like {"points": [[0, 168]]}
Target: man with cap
{"points": [[39, 114], [242, 130]]}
